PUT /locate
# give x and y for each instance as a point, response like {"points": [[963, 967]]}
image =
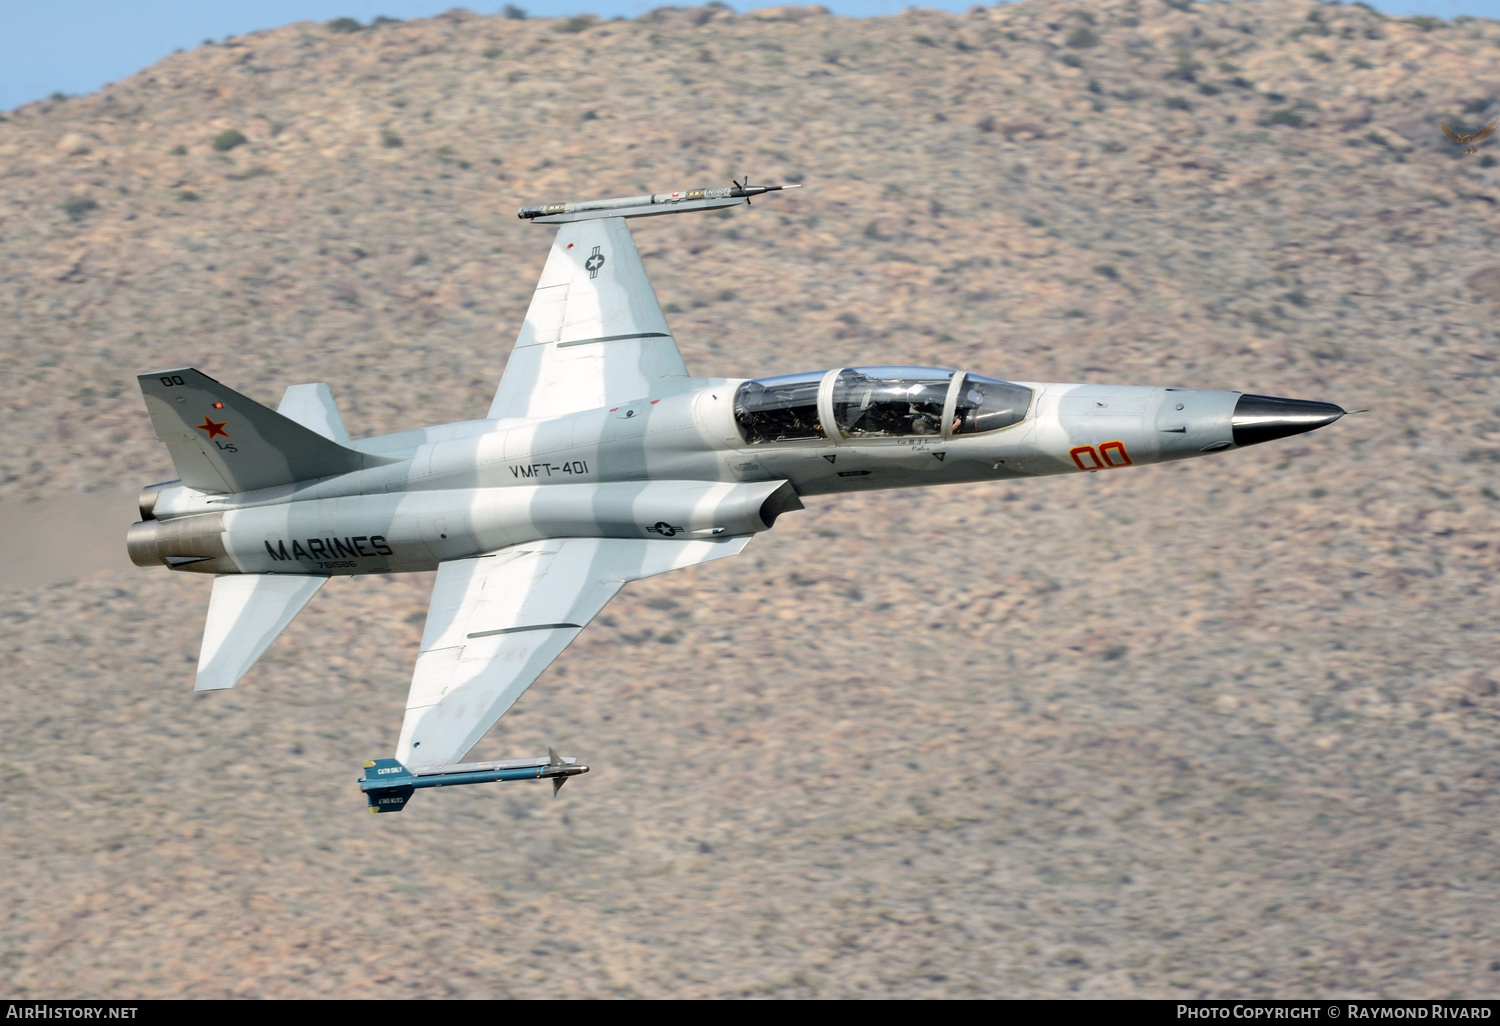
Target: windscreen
{"points": [[985, 404]]}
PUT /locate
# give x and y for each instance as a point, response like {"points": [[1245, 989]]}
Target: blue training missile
{"points": [[388, 785]]}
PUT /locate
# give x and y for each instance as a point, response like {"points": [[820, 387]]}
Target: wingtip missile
{"points": [[650, 206], [388, 784]]}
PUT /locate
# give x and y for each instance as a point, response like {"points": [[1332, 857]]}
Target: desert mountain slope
{"points": [[1223, 727]]}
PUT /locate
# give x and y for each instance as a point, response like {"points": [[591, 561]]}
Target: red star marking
{"points": [[214, 430]]}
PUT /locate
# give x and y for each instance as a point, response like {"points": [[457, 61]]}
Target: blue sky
{"points": [[76, 46]]}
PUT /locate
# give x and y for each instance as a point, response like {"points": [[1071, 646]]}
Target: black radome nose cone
{"points": [[1260, 418]]}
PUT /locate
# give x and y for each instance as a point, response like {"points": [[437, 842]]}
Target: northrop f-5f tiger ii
{"points": [[600, 461]]}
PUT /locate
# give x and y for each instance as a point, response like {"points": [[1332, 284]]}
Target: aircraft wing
{"points": [[594, 334], [497, 621]]}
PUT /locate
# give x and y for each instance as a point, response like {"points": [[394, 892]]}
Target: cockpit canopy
{"points": [[890, 402], [779, 409], [878, 402]]}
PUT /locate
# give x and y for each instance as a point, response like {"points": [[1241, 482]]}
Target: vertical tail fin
{"points": [[313, 407], [222, 441]]}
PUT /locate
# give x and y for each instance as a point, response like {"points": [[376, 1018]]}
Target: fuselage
{"points": [[722, 459]]}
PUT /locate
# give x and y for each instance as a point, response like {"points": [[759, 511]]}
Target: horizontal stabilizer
{"points": [[246, 613], [221, 441]]}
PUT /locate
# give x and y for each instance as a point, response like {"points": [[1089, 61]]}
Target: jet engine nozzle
{"points": [[194, 543], [140, 542], [151, 494], [1260, 418]]}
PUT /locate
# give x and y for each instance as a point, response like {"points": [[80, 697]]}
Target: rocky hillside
{"points": [[1225, 727]]}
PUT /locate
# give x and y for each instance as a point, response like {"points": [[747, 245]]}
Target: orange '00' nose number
{"points": [[1110, 454]]}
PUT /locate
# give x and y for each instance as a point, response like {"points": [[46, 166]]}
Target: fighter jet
{"points": [[600, 461]]}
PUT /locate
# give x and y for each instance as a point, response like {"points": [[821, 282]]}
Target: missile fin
{"points": [[391, 799], [398, 790]]}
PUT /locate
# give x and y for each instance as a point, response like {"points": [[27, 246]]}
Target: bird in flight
{"points": [[1467, 141]]}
